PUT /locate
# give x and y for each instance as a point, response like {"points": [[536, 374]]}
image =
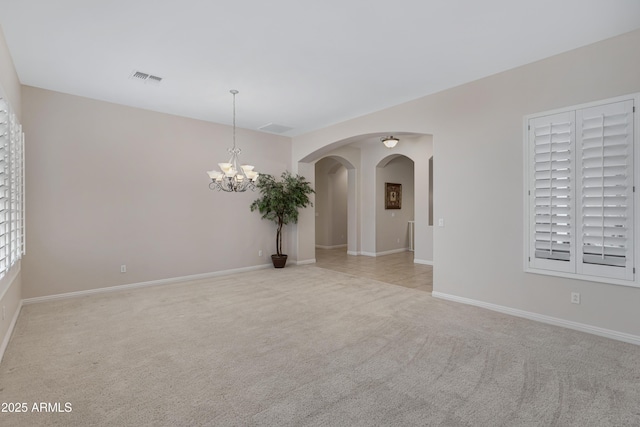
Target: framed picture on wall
{"points": [[392, 195]]}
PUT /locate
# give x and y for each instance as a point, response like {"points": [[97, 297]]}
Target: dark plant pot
{"points": [[279, 260]]}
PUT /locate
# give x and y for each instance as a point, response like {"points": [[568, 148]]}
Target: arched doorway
{"points": [[336, 212], [331, 204], [364, 154], [395, 213]]}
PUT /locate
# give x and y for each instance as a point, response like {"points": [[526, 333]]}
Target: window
{"points": [[11, 188], [580, 166]]}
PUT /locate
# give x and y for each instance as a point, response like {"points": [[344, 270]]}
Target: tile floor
{"points": [[397, 269]]}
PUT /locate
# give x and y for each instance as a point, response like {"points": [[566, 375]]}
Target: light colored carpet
{"points": [[306, 346]]}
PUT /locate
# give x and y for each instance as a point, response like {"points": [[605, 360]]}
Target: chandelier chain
{"points": [[234, 92]]}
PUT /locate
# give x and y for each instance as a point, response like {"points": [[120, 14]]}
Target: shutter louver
{"points": [[605, 151], [552, 237]]}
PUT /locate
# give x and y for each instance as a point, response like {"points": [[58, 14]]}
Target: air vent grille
{"points": [[275, 128], [146, 78]]}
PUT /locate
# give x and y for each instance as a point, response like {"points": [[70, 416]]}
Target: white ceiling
{"points": [[302, 64]]}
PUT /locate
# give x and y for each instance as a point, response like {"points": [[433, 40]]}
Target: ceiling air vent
{"points": [[275, 128], [146, 78]]}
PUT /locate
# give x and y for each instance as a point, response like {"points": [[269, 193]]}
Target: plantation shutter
{"points": [[21, 197], [552, 240], [12, 226], [605, 192], [4, 186], [16, 189]]}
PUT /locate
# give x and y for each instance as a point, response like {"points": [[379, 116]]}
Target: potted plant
{"points": [[280, 202]]}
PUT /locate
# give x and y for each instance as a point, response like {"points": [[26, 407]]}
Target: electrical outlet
{"points": [[575, 298], [123, 268], [260, 252], [441, 222]]}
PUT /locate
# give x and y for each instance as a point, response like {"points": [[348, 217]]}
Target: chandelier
{"points": [[230, 177]]}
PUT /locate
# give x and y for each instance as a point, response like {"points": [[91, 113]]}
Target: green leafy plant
{"points": [[280, 201]]}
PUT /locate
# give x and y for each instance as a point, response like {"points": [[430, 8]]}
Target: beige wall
{"points": [[109, 185], [9, 82], [10, 284], [477, 141], [339, 206]]}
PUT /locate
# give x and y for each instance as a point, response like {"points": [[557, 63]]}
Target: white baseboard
{"points": [[422, 261], [330, 247], [607, 333], [305, 261], [355, 253], [392, 251], [160, 282], [12, 325], [375, 254]]}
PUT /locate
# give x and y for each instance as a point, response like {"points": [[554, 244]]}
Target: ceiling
{"points": [[300, 64]]}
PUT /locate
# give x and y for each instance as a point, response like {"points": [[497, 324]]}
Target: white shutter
{"points": [[605, 190], [15, 135], [552, 207], [11, 188], [21, 200], [4, 186], [16, 187]]}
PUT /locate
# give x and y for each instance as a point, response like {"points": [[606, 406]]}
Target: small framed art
{"points": [[392, 195]]}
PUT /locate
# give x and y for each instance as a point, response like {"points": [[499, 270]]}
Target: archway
{"points": [[395, 213], [335, 210], [364, 153]]}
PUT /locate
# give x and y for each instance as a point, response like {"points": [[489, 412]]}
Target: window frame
{"points": [[528, 217]]}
